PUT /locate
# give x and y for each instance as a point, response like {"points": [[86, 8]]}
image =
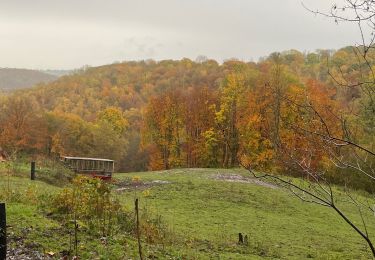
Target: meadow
{"points": [[200, 213]]}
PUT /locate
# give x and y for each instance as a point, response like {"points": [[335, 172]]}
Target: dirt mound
{"points": [[242, 179], [131, 185]]}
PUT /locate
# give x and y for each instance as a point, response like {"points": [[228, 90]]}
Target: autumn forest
{"points": [[152, 115], [147, 152]]}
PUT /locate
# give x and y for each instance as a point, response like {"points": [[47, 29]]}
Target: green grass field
{"points": [[207, 214], [202, 215]]}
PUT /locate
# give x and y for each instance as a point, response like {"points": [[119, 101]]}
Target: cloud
{"points": [[70, 33], [142, 47]]}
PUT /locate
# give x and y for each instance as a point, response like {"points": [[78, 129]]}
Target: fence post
{"points": [[240, 238], [138, 231], [3, 232], [32, 176]]}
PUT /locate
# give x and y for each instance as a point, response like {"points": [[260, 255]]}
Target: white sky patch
{"points": [[45, 34]]}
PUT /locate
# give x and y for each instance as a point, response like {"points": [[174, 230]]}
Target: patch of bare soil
{"points": [[18, 249], [242, 179], [23, 252], [139, 185]]}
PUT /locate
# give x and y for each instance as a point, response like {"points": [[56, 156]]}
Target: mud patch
{"points": [[242, 179], [18, 249], [139, 185]]}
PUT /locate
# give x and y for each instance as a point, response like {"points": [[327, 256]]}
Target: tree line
{"points": [[152, 115]]}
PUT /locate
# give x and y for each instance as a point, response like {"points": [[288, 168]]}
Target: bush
{"points": [[89, 200]]}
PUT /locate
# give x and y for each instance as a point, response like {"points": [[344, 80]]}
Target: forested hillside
{"points": [[160, 115], [11, 79]]}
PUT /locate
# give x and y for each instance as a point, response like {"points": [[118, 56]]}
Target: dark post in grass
{"points": [[3, 233], [138, 231], [240, 238], [32, 176], [246, 240]]}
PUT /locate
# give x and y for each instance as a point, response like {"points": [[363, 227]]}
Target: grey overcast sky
{"points": [[66, 34]]}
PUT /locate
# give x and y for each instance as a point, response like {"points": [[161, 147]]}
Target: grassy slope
{"points": [[24, 219], [208, 214], [205, 216], [30, 227]]}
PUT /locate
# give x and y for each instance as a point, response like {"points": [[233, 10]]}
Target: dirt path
{"points": [[242, 179]]}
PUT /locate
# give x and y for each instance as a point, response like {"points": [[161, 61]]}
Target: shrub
{"points": [[90, 201]]}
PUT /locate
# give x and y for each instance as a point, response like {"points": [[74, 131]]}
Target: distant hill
{"points": [[11, 79], [58, 73]]}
